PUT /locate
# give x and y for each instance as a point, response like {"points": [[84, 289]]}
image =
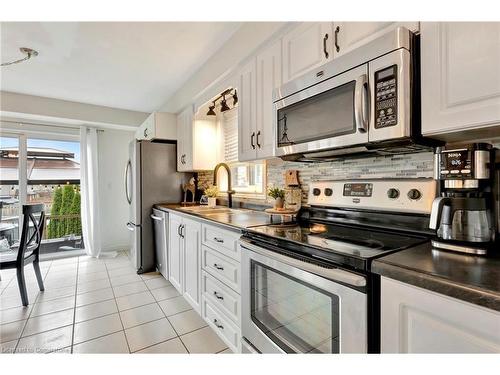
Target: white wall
{"points": [[53, 111], [241, 45], [113, 155]]}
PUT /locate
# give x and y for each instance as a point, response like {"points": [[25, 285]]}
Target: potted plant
{"points": [[278, 195], [211, 192]]}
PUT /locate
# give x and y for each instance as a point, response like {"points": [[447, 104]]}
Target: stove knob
{"points": [[414, 194], [316, 192], [393, 193], [328, 192]]}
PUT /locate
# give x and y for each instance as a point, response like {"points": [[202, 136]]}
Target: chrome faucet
{"points": [[230, 192]]}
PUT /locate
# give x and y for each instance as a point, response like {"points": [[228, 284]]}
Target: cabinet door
{"points": [[415, 320], [460, 78], [247, 112], [185, 140], [175, 243], [192, 262], [268, 78], [351, 35], [306, 47]]}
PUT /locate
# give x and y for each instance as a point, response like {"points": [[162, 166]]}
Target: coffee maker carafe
{"points": [[463, 213]]}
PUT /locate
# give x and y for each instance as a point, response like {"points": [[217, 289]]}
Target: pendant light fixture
{"points": [[25, 51], [211, 111], [223, 105]]}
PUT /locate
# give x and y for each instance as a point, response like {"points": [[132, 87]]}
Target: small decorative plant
{"points": [[211, 192], [278, 195]]}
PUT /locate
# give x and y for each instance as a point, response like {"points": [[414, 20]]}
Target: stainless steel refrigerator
{"points": [[150, 177]]}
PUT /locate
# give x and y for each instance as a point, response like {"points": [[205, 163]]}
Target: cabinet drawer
{"points": [[222, 267], [221, 240], [221, 296], [222, 325]]}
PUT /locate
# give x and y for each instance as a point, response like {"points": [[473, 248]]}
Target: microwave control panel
{"points": [[386, 97]]}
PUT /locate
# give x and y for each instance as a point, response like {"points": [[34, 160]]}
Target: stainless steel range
{"points": [[307, 286]]}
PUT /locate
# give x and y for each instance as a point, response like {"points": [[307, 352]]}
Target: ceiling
{"points": [[128, 65]]}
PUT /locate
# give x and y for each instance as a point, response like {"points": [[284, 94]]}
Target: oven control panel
{"points": [[397, 195], [386, 97]]}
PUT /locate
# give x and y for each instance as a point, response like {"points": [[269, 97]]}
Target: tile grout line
{"points": [[31, 311], [116, 303], [168, 320], [74, 306]]}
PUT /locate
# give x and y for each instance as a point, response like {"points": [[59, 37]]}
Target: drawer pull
{"points": [[220, 240], [217, 295], [218, 267], [216, 322]]}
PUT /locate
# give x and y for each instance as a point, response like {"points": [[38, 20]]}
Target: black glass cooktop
{"points": [[351, 241]]}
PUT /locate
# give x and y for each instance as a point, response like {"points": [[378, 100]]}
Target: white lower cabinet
{"points": [[225, 328], [185, 258], [221, 284], [416, 320]]}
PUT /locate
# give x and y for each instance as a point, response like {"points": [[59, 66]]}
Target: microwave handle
{"points": [[361, 103]]}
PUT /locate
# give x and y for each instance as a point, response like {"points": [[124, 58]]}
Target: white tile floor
{"points": [[99, 306]]}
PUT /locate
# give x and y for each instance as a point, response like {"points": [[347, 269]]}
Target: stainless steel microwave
{"points": [[363, 101]]}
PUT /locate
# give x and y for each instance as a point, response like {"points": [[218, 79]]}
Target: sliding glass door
{"points": [[10, 199], [36, 170]]}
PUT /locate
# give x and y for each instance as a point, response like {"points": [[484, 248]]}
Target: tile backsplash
{"points": [[419, 165]]}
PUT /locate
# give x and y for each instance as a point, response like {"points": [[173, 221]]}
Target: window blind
{"points": [[230, 135]]}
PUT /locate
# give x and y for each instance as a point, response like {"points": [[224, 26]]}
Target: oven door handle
{"points": [[334, 274], [361, 103]]}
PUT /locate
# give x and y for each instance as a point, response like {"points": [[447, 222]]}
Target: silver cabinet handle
{"points": [[216, 322], [360, 103], [157, 218], [217, 295], [145, 133], [251, 140], [257, 139], [130, 226], [218, 267], [219, 240], [325, 51], [336, 39], [182, 230]]}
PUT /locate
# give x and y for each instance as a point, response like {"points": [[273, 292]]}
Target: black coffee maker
{"points": [[463, 213]]}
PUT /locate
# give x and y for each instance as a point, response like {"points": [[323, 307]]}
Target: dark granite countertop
{"points": [[469, 278], [235, 219]]}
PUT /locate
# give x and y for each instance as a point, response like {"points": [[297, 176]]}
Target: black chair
{"points": [[29, 248]]}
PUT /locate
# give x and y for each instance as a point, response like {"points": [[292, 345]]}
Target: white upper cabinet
{"points": [[268, 78], [196, 142], [247, 111], [305, 47], [460, 64], [158, 125], [415, 320], [258, 78], [351, 35], [185, 140]]}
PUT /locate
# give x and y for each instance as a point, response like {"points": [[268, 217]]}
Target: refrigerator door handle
{"points": [[130, 226], [127, 171]]}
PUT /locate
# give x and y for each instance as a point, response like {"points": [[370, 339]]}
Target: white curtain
{"points": [[91, 226]]}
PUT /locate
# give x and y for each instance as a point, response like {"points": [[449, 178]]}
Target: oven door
{"points": [[330, 114], [288, 308]]}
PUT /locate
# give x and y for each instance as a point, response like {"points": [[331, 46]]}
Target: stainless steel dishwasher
{"points": [[160, 226]]}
